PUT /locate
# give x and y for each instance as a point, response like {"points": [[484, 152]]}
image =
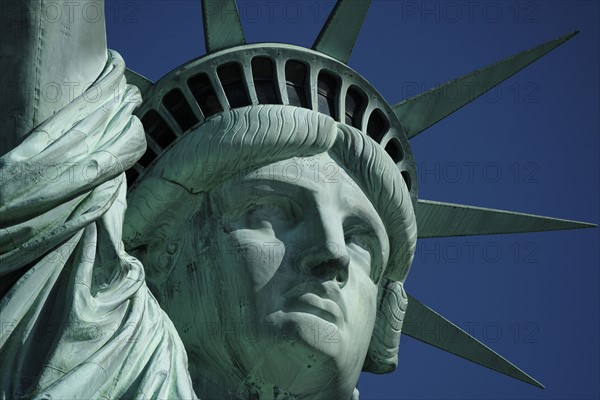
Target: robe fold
{"points": [[77, 320]]}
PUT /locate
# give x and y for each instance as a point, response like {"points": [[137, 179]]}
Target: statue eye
{"points": [[275, 212], [362, 247], [359, 240]]}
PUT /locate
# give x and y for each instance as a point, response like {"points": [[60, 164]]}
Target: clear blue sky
{"points": [[531, 146]]}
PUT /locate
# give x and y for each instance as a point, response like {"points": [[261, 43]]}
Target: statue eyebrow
{"points": [[262, 183], [369, 214], [255, 188], [373, 226]]}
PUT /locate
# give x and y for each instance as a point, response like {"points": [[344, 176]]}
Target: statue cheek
{"points": [[258, 254], [362, 298]]}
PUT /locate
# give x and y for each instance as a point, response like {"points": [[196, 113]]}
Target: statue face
{"points": [[295, 250]]}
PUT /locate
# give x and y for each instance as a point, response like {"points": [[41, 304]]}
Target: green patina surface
{"points": [[260, 245]]}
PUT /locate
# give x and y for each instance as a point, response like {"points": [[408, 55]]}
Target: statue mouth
{"points": [[310, 303], [315, 299]]}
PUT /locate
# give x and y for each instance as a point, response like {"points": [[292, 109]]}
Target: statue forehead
{"points": [[320, 177], [320, 173], [319, 170]]}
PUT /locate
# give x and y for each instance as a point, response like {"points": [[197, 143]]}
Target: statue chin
{"points": [[314, 353], [291, 353], [289, 364]]}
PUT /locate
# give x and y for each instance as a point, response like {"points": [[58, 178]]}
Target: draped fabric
{"points": [[76, 317]]}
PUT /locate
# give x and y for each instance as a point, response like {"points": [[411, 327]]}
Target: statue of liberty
{"points": [[248, 236]]}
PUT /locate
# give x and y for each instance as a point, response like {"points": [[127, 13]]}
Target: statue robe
{"points": [[77, 320]]}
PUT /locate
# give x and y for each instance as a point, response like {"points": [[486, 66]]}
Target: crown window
{"points": [[231, 78], [157, 129], [377, 126], [355, 106], [327, 88], [296, 77], [178, 107], [394, 149], [264, 80], [205, 95]]}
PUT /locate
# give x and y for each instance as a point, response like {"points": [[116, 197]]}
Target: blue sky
{"points": [[531, 146]]}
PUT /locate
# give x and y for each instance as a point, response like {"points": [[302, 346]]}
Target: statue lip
{"points": [[316, 299]]}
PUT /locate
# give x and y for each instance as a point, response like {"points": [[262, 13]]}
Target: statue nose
{"points": [[332, 269], [325, 255]]}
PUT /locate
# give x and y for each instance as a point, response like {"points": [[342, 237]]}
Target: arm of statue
{"points": [[76, 317]]}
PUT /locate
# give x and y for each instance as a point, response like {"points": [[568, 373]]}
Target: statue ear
{"points": [[382, 356]]}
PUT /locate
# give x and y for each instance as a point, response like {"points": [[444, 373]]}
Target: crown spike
{"points": [[436, 219], [339, 34], [423, 110], [426, 325], [222, 25]]}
